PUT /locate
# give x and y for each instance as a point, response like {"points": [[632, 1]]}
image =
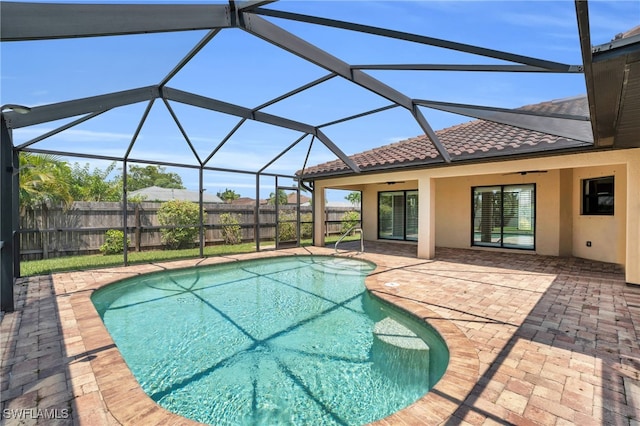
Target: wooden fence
{"points": [[54, 232]]}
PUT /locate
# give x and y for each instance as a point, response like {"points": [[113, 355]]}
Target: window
{"points": [[398, 215], [504, 216], [597, 196]]}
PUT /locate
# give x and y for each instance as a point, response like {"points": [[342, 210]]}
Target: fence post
{"points": [[44, 217], [137, 231]]}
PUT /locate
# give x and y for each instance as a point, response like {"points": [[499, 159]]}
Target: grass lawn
{"points": [[78, 263]]}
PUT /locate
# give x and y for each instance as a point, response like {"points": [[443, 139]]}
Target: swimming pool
{"points": [[289, 340]]}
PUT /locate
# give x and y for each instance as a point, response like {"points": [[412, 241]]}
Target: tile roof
{"points": [[632, 32], [478, 139], [291, 198]]}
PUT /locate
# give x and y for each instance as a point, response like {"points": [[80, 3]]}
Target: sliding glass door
{"points": [[398, 215], [504, 216]]}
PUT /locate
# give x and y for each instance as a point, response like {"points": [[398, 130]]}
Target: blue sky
{"points": [[239, 68]]}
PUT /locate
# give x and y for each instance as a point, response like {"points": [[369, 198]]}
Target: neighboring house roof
{"points": [[478, 139], [155, 193], [342, 204], [245, 201], [291, 198], [632, 32], [336, 205], [242, 201]]}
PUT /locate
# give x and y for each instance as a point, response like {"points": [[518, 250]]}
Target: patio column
{"points": [[6, 218], [632, 266], [426, 218], [318, 215]]}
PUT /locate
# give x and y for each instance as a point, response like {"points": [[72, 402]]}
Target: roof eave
{"points": [[485, 157]]}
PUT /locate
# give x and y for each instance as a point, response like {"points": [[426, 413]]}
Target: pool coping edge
{"points": [[129, 404]]}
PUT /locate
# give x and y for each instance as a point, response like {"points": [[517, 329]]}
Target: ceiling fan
{"points": [[525, 172]]}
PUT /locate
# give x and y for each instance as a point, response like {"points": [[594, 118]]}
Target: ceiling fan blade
{"points": [[525, 172]]}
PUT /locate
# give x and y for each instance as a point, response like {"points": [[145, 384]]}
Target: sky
{"points": [[239, 68]]}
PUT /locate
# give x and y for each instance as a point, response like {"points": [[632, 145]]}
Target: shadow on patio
{"points": [[557, 338]]}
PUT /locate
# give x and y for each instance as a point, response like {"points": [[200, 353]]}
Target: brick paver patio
{"points": [[533, 340]]}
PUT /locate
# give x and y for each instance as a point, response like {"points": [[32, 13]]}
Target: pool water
{"points": [[287, 340]]}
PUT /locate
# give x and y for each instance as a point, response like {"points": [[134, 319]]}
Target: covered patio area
{"points": [[533, 340]]}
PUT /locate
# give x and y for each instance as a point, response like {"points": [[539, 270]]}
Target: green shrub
{"points": [[177, 213], [113, 242], [306, 229], [231, 230], [349, 220], [287, 226], [287, 229]]}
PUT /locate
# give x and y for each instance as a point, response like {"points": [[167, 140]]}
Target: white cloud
{"points": [[73, 135], [394, 139]]}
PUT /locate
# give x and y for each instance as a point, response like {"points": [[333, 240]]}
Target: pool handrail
{"points": [[354, 229]]}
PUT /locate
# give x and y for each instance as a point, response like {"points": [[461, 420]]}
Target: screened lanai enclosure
{"points": [[247, 94]]}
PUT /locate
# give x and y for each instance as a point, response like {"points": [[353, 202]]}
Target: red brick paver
{"points": [[533, 340]]}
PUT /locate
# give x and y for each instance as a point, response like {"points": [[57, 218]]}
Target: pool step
{"points": [[393, 333]]}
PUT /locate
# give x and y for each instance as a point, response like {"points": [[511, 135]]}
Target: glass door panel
{"points": [[391, 215], [518, 216], [487, 219], [412, 216], [398, 215]]}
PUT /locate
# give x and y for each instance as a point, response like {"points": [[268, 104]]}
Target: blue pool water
{"points": [[288, 340]]}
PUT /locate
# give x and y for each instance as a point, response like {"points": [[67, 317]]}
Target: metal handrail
{"points": [[354, 229]]}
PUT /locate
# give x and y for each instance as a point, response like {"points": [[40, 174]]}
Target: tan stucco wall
{"points": [[370, 204], [566, 187], [453, 208], [632, 231], [560, 228], [606, 233]]}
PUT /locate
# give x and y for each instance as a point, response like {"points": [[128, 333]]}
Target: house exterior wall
{"points": [[565, 244], [606, 233], [453, 208], [370, 204], [561, 229], [632, 231]]}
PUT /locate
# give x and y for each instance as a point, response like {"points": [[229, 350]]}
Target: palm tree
{"points": [[282, 198], [228, 195], [354, 198], [44, 178]]}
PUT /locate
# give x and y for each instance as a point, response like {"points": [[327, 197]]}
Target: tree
{"points": [[44, 178], [139, 177], [183, 218], [282, 198], [231, 229], [94, 185], [349, 220], [287, 230], [113, 242], [355, 198], [228, 195]]}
